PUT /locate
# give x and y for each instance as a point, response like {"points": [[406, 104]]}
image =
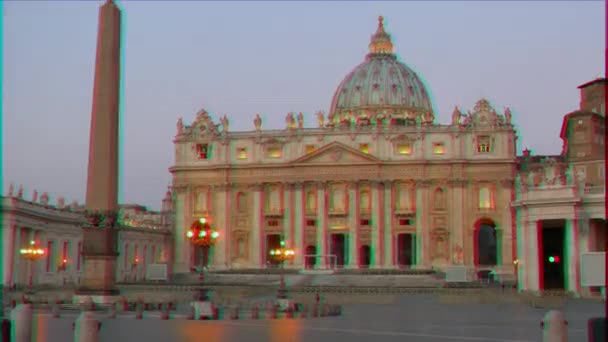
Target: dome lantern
{"points": [[381, 43]]}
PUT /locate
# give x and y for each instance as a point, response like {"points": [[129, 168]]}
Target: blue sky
{"points": [[243, 58]]}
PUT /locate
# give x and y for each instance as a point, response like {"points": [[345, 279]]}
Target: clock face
{"points": [[203, 128]]}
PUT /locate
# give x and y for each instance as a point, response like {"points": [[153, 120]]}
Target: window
{"points": [[311, 223], [483, 144], [405, 222], [600, 171], [274, 152], [273, 223], [438, 148], [310, 148], [364, 201], [241, 153], [241, 202], [364, 222], [364, 148], [203, 151], [311, 201], [485, 198], [404, 149]]}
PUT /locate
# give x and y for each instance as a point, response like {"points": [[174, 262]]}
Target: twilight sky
{"points": [[243, 58]]}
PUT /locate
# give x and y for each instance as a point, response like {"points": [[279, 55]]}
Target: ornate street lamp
{"points": [[32, 253], [281, 255], [202, 235]]}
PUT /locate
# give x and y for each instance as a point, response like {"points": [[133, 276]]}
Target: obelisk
{"points": [[101, 207]]}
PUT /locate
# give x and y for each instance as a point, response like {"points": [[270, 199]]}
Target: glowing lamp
{"points": [[190, 234], [215, 235], [202, 220]]}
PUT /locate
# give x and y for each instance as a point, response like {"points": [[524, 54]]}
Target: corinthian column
{"points": [[388, 224], [322, 227], [181, 245], [353, 226], [298, 238], [377, 224], [422, 224], [255, 245]]}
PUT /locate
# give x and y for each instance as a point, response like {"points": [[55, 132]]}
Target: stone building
{"points": [[560, 201], [144, 237], [379, 183]]}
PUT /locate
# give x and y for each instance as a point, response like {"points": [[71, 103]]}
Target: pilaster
{"points": [[422, 223]]}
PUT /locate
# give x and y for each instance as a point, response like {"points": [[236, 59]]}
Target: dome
{"points": [[381, 87]]}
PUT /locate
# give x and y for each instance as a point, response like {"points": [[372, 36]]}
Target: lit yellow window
{"points": [[404, 149], [438, 148], [364, 148], [485, 198], [483, 144], [241, 153], [310, 148], [274, 152]]}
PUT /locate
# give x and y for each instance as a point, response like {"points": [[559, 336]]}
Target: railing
{"points": [[590, 190]]}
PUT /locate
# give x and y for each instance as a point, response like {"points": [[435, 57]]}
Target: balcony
{"points": [[595, 190], [338, 212], [405, 211], [274, 212]]}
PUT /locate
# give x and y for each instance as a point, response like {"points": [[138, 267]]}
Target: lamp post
{"points": [[202, 235], [32, 253], [281, 255]]}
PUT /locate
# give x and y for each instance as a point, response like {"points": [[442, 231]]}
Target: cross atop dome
{"points": [[381, 43]]}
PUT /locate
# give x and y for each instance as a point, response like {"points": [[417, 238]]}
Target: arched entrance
{"points": [[310, 260], [365, 256], [486, 243]]}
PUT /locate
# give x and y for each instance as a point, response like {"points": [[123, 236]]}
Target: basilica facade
{"points": [[378, 184]]}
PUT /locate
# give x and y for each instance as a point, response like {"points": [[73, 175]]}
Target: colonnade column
{"points": [[377, 224], [353, 226], [298, 214], [573, 281], [181, 263], [505, 258], [530, 264], [255, 244], [422, 224], [389, 244], [9, 247], [16, 260], [584, 238], [322, 225]]}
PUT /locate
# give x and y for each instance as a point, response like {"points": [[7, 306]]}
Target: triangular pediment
{"points": [[336, 153]]}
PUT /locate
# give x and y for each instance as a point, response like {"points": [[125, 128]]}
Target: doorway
{"points": [[365, 256], [486, 244], [406, 249], [552, 255], [273, 241], [338, 248], [310, 259]]}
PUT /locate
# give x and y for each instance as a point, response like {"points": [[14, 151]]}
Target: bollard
{"points": [[113, 310], [555, 327], [255, 312], [21, 323], [596, 329], [139, 310], [164, 311], [56, 309], [86, 327]]}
